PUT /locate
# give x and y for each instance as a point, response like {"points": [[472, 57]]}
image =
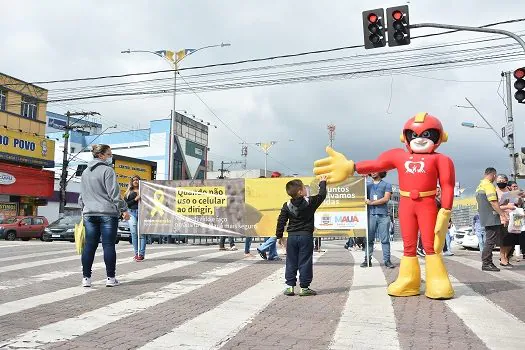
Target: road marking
{"points": [[21, 282], [36, 255], [494, 326], [368, 316], [204, 332], [67, 293], [76, 326]]}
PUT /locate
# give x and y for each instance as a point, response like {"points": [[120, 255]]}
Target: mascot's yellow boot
{"points": [[437, 283], [408, 281]]}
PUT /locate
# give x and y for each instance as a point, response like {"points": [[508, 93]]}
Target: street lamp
{"points": [[174, 58], [265, 146], [472, 125]]}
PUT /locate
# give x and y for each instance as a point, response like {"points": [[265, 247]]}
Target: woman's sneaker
{"points": [[307, 292], [86, 282], [112, 282]]}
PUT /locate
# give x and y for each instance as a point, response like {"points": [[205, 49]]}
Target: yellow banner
{"points": [[126, 169], [26, 148], [343, 212]]}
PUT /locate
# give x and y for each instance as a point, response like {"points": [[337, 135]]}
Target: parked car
{"points": [[63, 229], [23, 227], [123, 231], [467, 238]]}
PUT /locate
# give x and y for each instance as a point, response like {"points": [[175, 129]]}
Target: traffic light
{"points": [[398, 25], [374, 28], [519, 84]]}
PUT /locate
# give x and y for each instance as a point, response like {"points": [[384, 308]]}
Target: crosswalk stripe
{"points": [[73, 327], [67, 293], [497, 328], [10, 245], [367, 305], [28, 265], [21, 282], [197, 334], [36, 255]]}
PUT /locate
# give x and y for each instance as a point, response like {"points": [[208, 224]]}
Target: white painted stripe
{"points": [[368, 315], [76, 326], [67, 293], [37, 255], [204, 332], [497, 328], [21, 282], [31, 264], [10, 245]]}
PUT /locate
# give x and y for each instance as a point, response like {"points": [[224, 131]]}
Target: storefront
{"points": [[23, 189]]}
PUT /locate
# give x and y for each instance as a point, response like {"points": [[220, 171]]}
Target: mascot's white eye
{"points": [[425, 134]]}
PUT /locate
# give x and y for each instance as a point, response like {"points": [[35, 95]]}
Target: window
{"points": [[177, 170], [3, 99], [26, 221], [29, 107], [73, 149], [38, 221]]}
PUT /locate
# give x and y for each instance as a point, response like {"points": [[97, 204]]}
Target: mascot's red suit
{"points": [[419, 171]]}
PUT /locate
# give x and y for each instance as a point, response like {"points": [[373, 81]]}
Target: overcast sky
{"points": [[67, 39]]}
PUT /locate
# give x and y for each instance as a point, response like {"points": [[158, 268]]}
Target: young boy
{"points": [[299, 212]]}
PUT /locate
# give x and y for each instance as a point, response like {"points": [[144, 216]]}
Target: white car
{"points": [[466, 238]]}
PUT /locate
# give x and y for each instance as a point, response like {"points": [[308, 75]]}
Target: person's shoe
{"points": [[289, 291], [86, 282], [437, 282], [276, 258], [389, 264], [507, 264], [222, 248], [140, 258], [447, 253], [346, 246], [136, 257], [421, 252], [233, 248], [305, 292], [492, 268], [408, 281], [364, 264], [112, 282], [248, 255], [262, 254]]}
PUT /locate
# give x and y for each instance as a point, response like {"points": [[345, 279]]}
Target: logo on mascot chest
{"points": [[415, 167]]}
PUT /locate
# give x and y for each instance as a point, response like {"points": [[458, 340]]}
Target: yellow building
{"points": [[24, 149]]}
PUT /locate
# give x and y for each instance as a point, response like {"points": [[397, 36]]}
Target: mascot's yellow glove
{"points": [[336, 167], [440, 230]]}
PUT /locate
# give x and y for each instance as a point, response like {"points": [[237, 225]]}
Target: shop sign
{"points": [[7, 179], [26, 148]]}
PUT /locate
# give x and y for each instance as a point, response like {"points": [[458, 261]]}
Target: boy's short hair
{"points": [[293, 187]]}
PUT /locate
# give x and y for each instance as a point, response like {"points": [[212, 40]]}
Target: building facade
{"points": [[24, 149]]}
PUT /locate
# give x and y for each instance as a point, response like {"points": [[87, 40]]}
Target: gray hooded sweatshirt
{"points": [[100, 193]]}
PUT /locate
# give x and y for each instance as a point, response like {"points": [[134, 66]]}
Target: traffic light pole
{"points": [[471, 29], [510, 123]]}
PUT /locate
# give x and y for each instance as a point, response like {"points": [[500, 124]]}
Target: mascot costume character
{"points": [[419, 170]]}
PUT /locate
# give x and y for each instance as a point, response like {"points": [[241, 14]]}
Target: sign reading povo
{"points": [[28, 149], [245, 207]]}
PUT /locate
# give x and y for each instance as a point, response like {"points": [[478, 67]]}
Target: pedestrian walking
{"points": [[101, 208], [132, 198], [297, 215], [479, 230]]}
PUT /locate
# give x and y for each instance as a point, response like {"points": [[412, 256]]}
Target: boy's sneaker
{"points": [[307, 292], [86, 282], [112, 282], [262, 254], [289, 291]]}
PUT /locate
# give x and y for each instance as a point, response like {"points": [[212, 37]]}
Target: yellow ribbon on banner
{"points": [[158, 201]]}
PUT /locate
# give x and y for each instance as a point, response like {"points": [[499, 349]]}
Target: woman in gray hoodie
{"points": [[101, 208]]}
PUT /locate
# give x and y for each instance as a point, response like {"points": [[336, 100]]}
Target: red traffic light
{"points": [[372, 18], [397, 15], [519, 73]]}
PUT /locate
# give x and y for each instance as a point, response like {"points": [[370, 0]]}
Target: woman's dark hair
{"points": [[99, 149]]}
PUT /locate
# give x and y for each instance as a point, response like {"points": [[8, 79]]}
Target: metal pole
{"points": [[172, 130], [265, 162], [486, 121], [63, 175], [510, 121], [471, 29]]}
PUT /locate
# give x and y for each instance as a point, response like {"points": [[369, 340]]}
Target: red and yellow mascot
{"points": [[419, 171]]}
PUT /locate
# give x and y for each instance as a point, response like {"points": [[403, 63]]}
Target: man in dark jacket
{"points": [[298, 213]]}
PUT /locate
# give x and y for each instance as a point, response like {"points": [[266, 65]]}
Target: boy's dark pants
{"points": [[299, 256]]}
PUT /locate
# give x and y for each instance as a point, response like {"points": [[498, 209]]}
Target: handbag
{"points": [[80, 236], [516, 221]]}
